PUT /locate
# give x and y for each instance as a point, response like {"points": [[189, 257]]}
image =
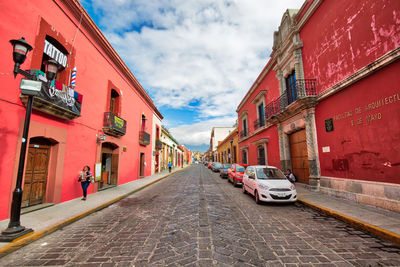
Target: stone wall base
{"points": [[382, 195]]}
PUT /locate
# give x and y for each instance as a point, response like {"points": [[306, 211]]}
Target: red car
{"points": [[235, 174]]}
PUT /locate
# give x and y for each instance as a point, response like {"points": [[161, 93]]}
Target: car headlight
{"points": [[292, 187], [263, 186]]}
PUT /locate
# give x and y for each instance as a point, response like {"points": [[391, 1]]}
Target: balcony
{"points": [[259, 123], [144, 138], [114, 125], [243, 134], [302, 89], [158, 144]]}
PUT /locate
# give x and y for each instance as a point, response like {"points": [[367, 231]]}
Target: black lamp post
{"points": [[20, 50]]}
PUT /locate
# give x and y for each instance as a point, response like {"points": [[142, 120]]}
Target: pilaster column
{"points": [[312, 148]]}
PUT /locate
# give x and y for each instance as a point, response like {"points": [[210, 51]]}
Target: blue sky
{"points": [[195, 58]]}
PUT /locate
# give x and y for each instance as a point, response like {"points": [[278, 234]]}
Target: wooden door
{"points": [[156, 163], [114, 169], [141, 165], [299, 156], [35, 179]]}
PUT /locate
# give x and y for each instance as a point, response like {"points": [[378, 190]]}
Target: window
{"points": [[291, 89], [261, 155], [244, 131], [244, 156], [114, 102], [270, 173], [260, 112], [143, 123], [54, 50]]}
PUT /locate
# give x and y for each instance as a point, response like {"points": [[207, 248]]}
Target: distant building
{"points": [[218, 134], [227, 149]]}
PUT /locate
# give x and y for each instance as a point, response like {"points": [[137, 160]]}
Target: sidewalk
{"points": [[380, 222], [50, 219]]}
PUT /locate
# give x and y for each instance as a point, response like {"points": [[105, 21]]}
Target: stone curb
{"points": [[385, 234], [31, 237]]}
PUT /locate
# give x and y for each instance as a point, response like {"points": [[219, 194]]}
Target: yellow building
{"points": [[227, 150]]}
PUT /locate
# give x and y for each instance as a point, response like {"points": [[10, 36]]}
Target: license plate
{"points": [[281, 194]]}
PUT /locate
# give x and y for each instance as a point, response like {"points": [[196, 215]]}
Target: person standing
{"points": [[85, 178], [169, 166]]}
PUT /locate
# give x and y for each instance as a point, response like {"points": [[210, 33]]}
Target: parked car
{"points": [[210, 164], [235, 173], [224, 170], [269, 184], [216, 167]]}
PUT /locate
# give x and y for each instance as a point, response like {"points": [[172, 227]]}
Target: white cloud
{"points": [[199, 133], [210, 51]]}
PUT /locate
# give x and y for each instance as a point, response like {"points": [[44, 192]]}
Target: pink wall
{"points": [[343, 36], [95, 70], [365, 143]]}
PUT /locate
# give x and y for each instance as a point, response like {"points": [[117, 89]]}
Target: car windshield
{"points": [[269, 173], [240, 169], [217, 165], [227, 166]]}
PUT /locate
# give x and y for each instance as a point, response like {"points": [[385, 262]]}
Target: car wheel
{"points": [[258, 201], [229, 179], [244, 189], [234, 182]]}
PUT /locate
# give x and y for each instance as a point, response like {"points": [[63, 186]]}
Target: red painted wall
{"points": [[95, 70], [343, 36], [272, 147], [365, 143], [270, 84]]}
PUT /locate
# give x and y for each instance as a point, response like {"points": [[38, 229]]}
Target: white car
{"points": [[268, 184]]}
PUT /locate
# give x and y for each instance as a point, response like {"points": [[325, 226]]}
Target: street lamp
{"points": [[31, 88]]}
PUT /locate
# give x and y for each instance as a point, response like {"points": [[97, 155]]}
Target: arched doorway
{"points": [[109, 165], [36, 172]]}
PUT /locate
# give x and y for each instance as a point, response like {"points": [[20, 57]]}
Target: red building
{"points": [[332, 101], [93, 122]]}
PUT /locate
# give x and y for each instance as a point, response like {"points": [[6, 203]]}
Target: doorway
{"points": [[299, 156], [141, 165], [260, 155], [109, 165], [36, 170], [157, 162]]}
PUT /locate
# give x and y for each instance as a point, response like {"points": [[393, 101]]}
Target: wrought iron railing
{"points": [[259, 123], [243, 134], [144, 138], [158, 144], [113, 124], [301, 89]]}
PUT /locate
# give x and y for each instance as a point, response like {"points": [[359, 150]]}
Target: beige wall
{"points": [[225, 146]]}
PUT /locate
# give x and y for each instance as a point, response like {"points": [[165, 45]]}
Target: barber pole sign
{"points": [[73, 77]]}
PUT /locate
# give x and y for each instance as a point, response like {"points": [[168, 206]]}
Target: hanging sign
{"points": [[54, 53]]}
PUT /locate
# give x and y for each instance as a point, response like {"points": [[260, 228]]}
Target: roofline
{"points": [[79, 12], [306, 10], [261, 76]]}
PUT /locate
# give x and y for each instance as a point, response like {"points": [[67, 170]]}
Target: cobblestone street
{"points": [[196, 218]]}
